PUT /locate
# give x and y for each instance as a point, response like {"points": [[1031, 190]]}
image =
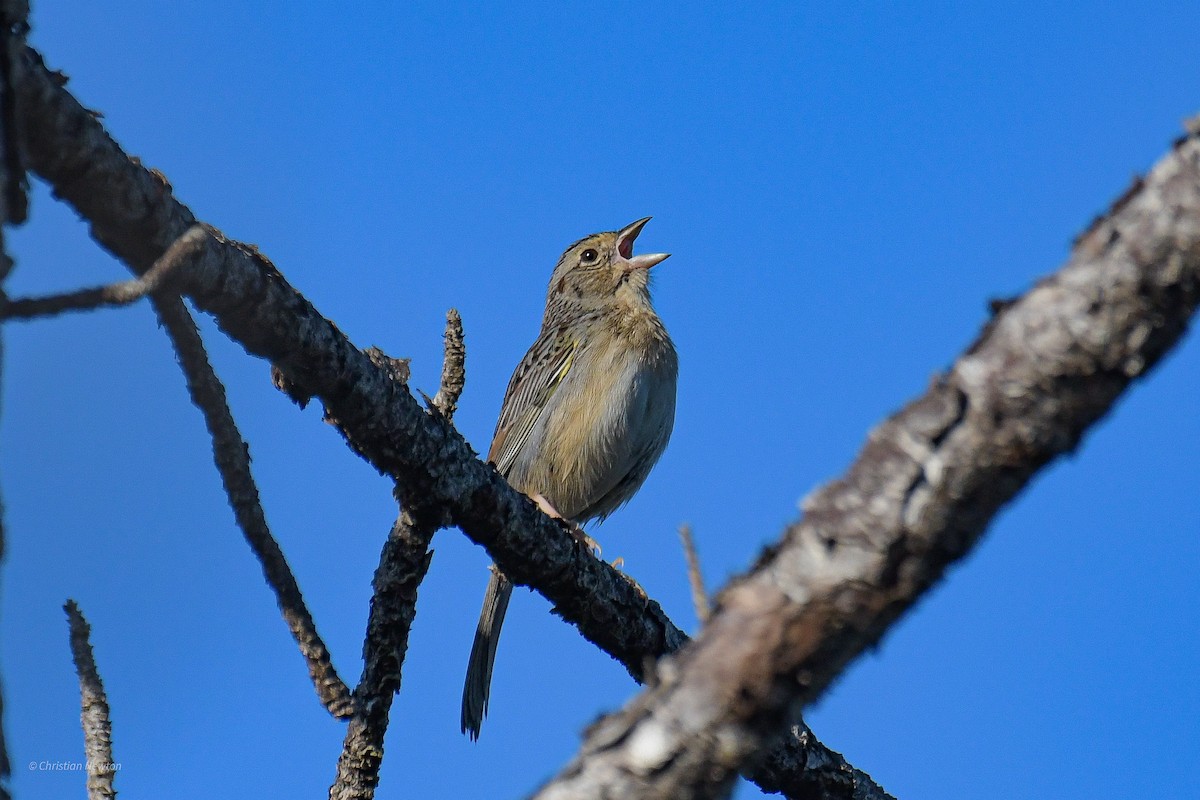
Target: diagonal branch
{"points": [[97, 729], [918, 498], [232, 458], [402, 567], [133, 214]]}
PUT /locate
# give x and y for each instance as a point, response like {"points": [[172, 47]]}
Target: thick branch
{"points": [[97, 730], [133, 214], [918, 498]]}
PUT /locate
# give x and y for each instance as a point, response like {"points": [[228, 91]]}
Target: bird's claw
{"points": [[591, 544], [619, 562], [572, 527], [636, 586]]}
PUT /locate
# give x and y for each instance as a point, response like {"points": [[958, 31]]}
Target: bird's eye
{"points": [[589, 256]]}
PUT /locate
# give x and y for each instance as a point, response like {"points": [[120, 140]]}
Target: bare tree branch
{"points": [[14, 206], [114, 294], [133, 214], [454, 375], [97, 729], [232, 458], [695, 577], [402, 567], [918, 498], [802, 768], [14, 186]]}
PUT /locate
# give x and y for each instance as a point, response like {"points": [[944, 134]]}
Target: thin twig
{"points": [[695, 579], [232, 458], [97, 729], [112, 295], [403, 565], [454, 375]]}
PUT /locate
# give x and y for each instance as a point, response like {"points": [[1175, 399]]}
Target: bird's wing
{"points": [[532, 386]]}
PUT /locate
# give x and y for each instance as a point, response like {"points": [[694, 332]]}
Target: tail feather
{"points": [[477, 686]]}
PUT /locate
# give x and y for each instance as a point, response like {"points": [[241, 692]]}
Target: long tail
{"points": [[483, 653]]}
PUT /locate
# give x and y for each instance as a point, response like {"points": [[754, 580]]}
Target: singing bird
{"points": [[587, 412]]}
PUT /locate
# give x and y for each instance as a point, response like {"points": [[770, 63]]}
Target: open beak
{"points": [[625, 238]]}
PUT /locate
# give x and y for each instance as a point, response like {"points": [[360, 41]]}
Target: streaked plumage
{"points": [[588, 411]]}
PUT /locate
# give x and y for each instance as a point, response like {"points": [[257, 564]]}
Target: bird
{"points": [[587, 413]]}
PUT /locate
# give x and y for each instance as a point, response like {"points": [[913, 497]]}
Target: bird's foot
{"points": [[591, 544], [572, 527]]}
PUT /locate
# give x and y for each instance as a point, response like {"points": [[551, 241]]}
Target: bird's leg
{"points": [[572, 528], [587, 541]]}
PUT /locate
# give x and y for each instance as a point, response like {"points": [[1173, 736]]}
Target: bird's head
{"points": [[601, 269]]}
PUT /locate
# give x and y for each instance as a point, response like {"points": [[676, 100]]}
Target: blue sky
{"points": [[843, 187]]}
